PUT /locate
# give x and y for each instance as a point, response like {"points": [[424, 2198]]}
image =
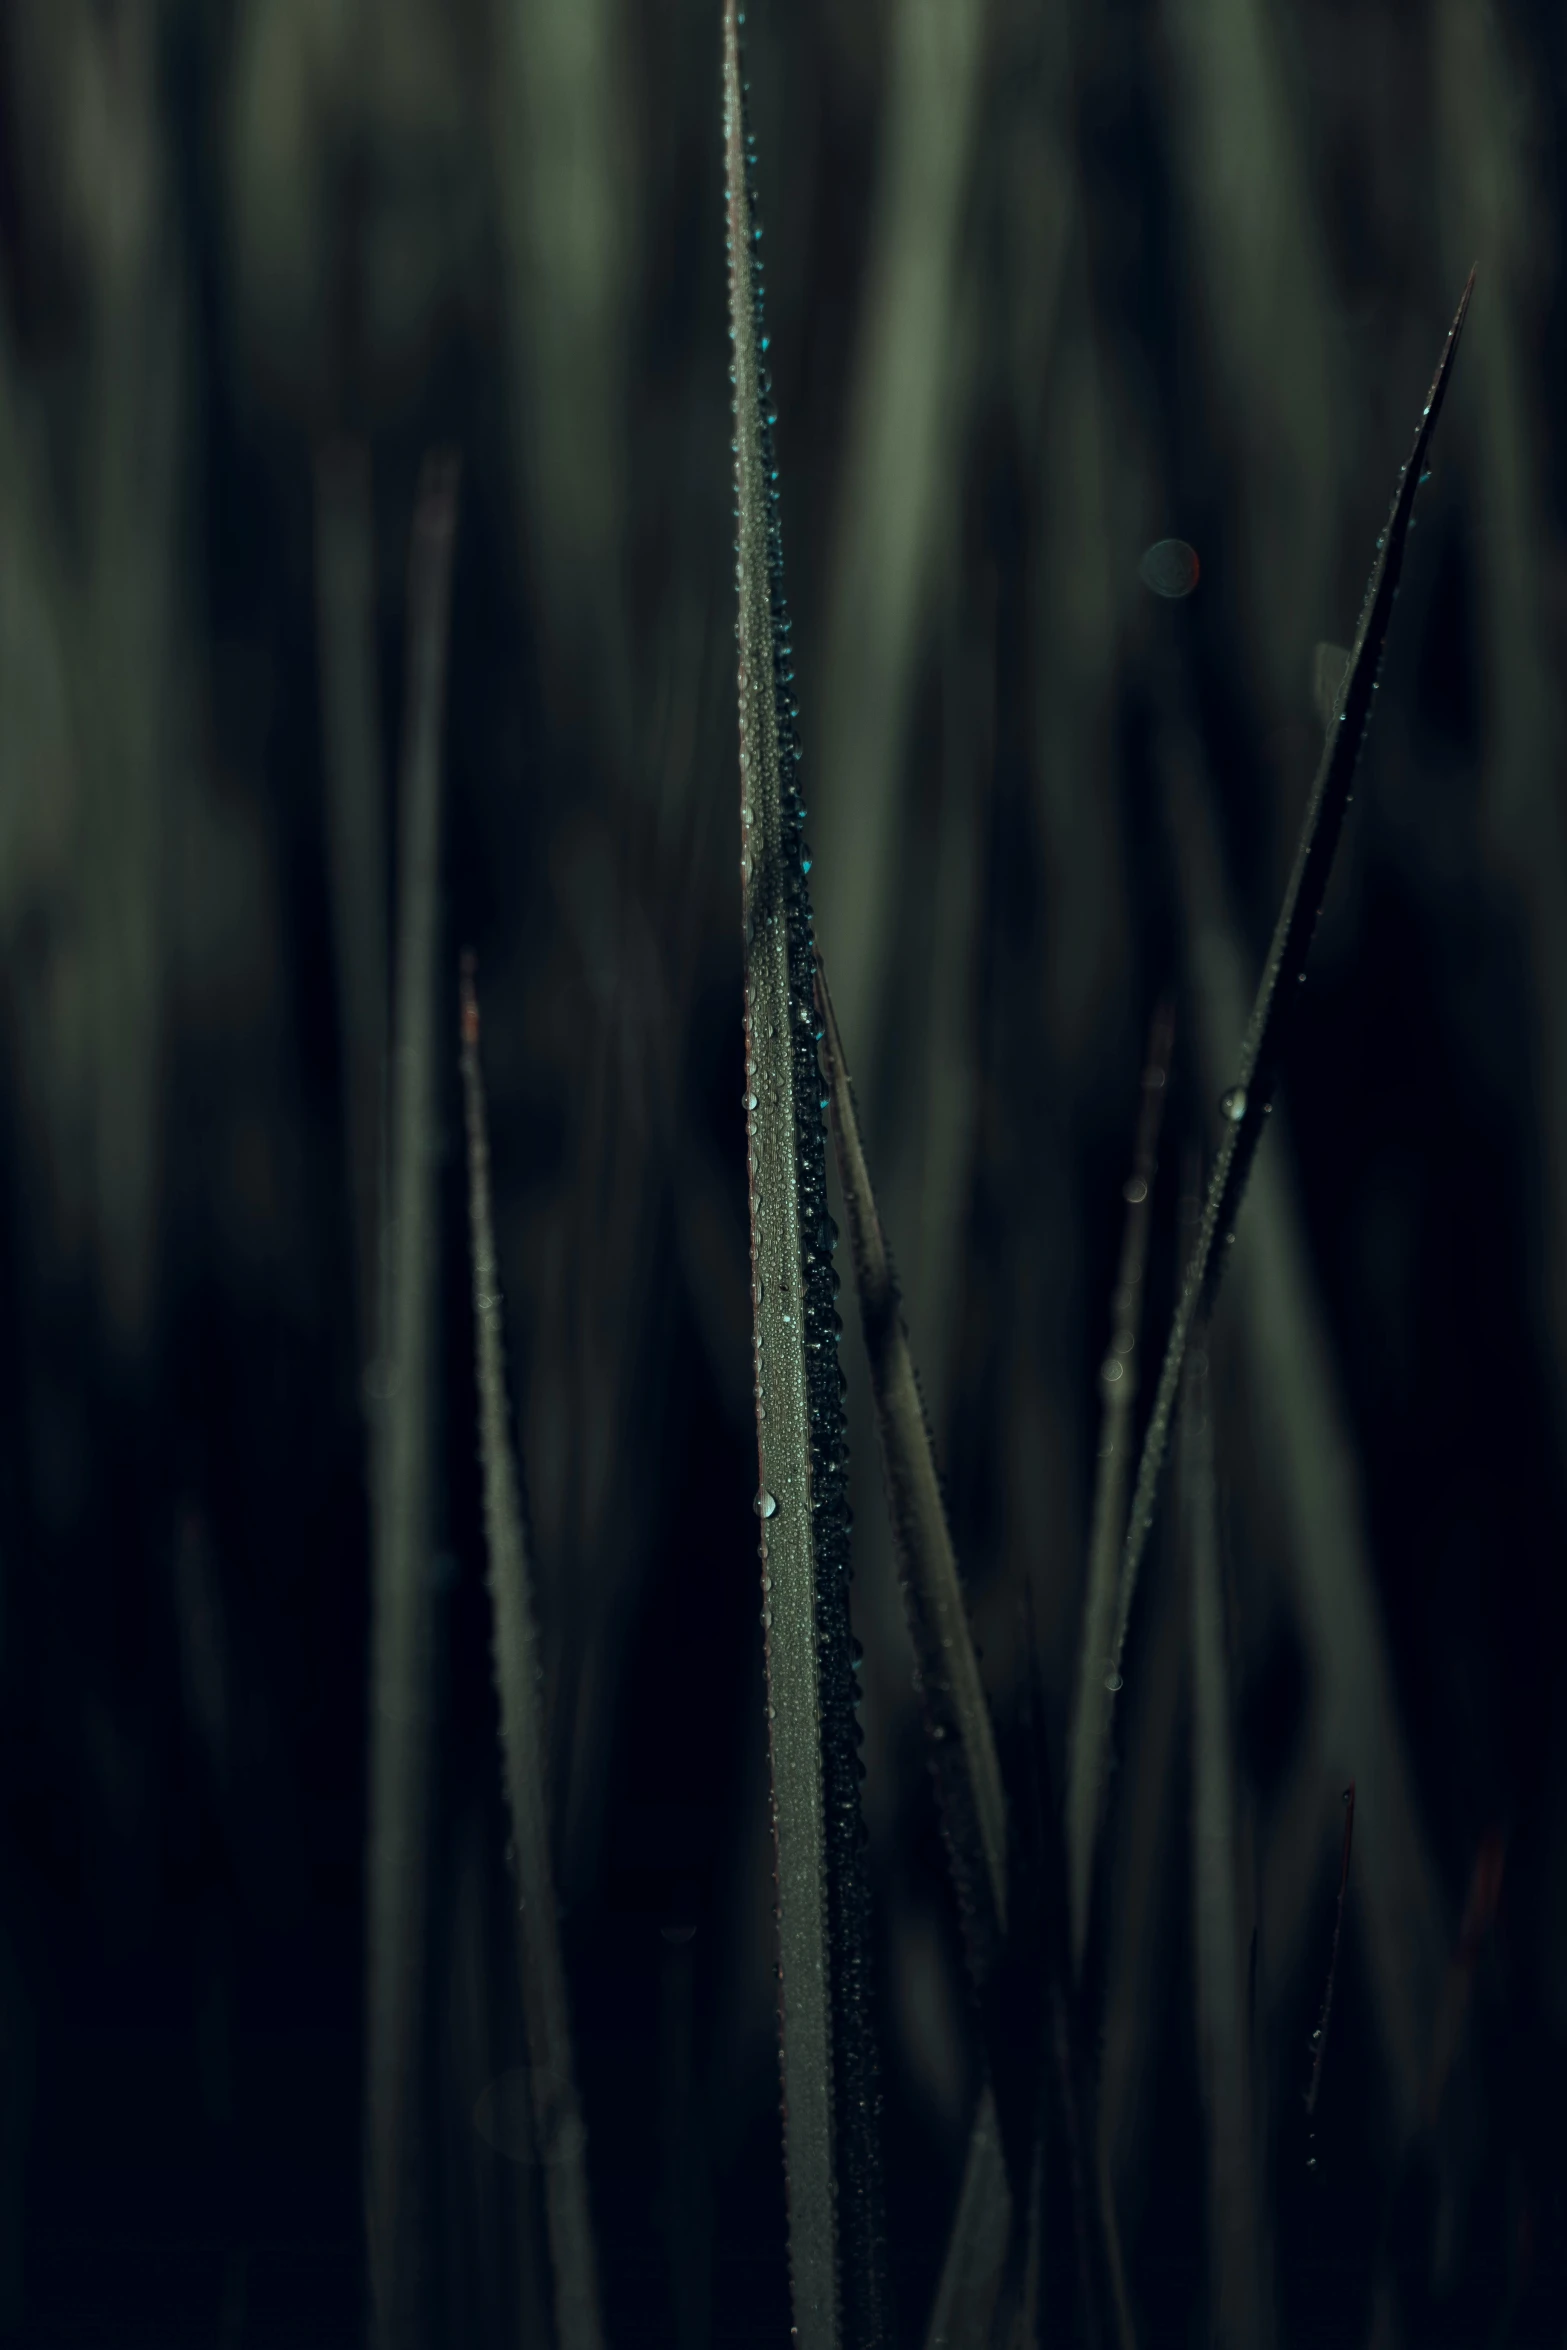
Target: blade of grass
{"points": [[399, 1720], [1289, 1369], [982, 2271], [827, 2057], [557, 2114], [960, 1741], [1239, 2302], [1118, 1379], [1018, 1964], [351, 742], [1249, 1100]]}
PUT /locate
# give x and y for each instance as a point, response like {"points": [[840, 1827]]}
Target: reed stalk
{"points": [[401, 1613]]}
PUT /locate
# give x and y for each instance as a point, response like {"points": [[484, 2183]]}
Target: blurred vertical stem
{"points": [[830, 2091], [1494, 141], [908, 374], [557, 2115], [401, 1628], [356, 843], [1118, 1384], [1239, 2307]]}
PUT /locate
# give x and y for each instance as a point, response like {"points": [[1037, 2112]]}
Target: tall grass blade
{"points": [[399, 1694], [830, 2091], [356, 842], [1249, 1100], [1238, 2301], [1118, 1381], [1289, 1368], [960, 1741], [557, 2115], [964, 2309]]}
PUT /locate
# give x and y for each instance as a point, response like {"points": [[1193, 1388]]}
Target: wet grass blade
{"points": [[1248, 1101], [400, 1697], [557, 2115], [830, 2089], [1118, 1380], [960, 1741]]}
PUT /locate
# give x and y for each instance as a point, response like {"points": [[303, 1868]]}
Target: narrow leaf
{"points": [[400, 1695], [960, 1741], [830, 2090], [1118, 1383], [557, 2115], [1248, 1101]]}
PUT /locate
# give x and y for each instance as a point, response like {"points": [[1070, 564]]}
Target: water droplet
{"points": [[1110, 1370], [1425, 477], [748, 1101], [1316, 2036], [1232, 1105], [765, 1505], [1170, 569], [1311, 2162], [1134, 1191], [1114, 1683]]}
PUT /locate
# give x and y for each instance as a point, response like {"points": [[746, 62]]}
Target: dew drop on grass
{"points": [[1170, 569], [1134, 1191], [1114, 1683], [765, 1505], [1232, 1105]]}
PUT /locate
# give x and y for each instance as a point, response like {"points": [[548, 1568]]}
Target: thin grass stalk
{"points": [[1289, 1368], [1118, 1384], [1319, 2037], [827, 2057], [400, 1695], [982, 2274], [960, 1741], [1249, 1100], [356, 843], [557, 2114], [1238, 2299]]}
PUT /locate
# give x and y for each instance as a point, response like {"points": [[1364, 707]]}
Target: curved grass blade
{"points": [[830, 2090], [400, 1698], [960, 1740], [557, 2115], [1248, 1101], [1118, 1379]]}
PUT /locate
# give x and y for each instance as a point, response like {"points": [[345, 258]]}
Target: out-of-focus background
{"points": [[1046, 285]]}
